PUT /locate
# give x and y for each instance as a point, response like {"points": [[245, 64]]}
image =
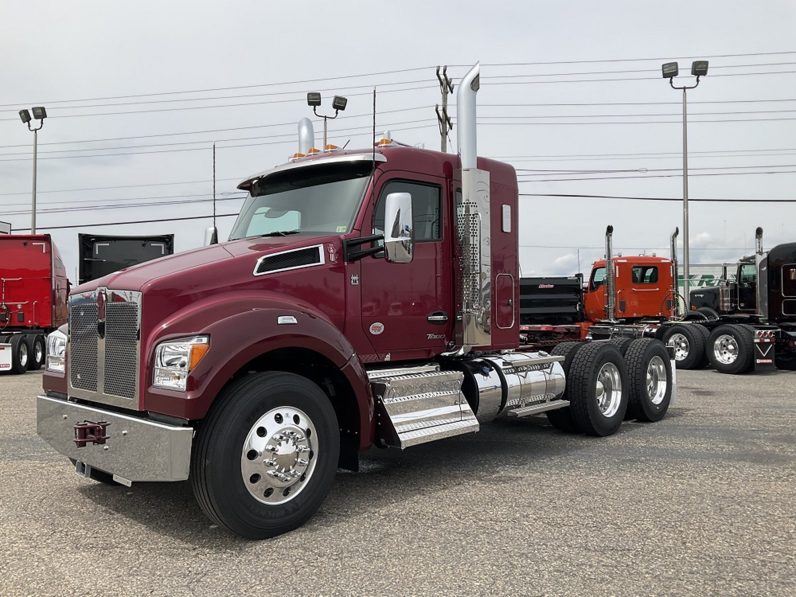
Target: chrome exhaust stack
{"points": [[306, 134], [675, 286], [474, 326], [609, 273], [761, 266]]}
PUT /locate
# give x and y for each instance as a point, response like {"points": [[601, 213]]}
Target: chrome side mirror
{"points": [[211, 236], [398, 232]]}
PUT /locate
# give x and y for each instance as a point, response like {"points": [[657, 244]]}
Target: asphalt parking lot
{"points": [[703, 502]]}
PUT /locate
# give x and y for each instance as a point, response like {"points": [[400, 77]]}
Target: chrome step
{"points": [[535, 409], [420, 406]]}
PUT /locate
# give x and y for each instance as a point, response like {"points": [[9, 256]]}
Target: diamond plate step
{"points": [[421, 406]]}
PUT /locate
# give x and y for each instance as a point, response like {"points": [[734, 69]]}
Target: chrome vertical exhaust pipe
{"points": [[466, 140], [609, 272], [306, 134], [675, 286]]}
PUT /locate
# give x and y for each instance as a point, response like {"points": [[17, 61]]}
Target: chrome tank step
{"points": [[537, 408], [420, 405]]}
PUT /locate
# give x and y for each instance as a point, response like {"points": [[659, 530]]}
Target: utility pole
{"points": [[443, 120]]}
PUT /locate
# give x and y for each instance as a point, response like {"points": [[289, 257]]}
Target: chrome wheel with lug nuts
{"points": [[266, 455], [597, 388], [731, 348], [689, 344], [278, 457], [656, 380], [649, 371], [608, 389], [725, 349]]}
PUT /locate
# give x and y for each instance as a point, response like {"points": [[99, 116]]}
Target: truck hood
{"points": [[214, 260]]}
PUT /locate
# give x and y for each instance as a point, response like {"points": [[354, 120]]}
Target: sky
{"points": [[571, 95]]}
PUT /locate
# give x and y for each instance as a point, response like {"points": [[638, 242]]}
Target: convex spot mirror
{"points": [[398, 231]]}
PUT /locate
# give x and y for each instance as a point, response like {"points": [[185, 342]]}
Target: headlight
{"points": [[175, 359], [56, 351]]}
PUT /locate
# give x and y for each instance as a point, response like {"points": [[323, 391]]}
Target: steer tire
{"points": [[253, 414], [731, 348], [649, 372], [689, 345], [561, 418], [593, 413], [37, 351], [20, 354]]}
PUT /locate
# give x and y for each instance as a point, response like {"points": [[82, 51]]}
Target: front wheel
{"points": [[266, 456]]}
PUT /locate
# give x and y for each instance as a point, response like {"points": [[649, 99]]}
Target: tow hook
{"points": [[88, 432]]}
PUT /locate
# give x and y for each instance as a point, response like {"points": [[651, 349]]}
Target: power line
{"points": [[123, 186], [641, 198], [495, 83], [55, 210], [414, 108], [236, 105], [207, 217], [354, 130], [399, 71], [213, 89], [205, 131], [657, 176], [558, 171]]}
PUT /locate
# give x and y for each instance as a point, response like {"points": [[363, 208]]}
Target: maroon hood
{"points": [[214, 262]]}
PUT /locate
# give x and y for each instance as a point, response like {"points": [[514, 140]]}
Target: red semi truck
{"points": [[636, 288], [364, 298], [33, 292]]}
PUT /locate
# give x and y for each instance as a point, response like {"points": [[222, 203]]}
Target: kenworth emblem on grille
{"points": [[102, 296]]}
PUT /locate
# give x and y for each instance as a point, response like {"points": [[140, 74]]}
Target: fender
{"points": [[243, 327]]}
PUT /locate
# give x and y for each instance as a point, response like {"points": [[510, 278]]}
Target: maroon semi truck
{"points": [[33, 291], [364, 298]]}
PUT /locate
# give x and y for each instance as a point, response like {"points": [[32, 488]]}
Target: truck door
{"points": [[747, 287], [407, 308], [646, 297]]}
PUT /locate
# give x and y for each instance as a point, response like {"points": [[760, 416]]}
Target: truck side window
{"points": [[748, 273], [645, 274], [425, 208], [597, 278]]}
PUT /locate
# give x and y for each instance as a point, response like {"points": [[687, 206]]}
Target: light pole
{"points": [[338, 103], [39, 113], [699, 68]]}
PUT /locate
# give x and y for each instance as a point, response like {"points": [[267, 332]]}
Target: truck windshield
{"points": [[323, 199]]}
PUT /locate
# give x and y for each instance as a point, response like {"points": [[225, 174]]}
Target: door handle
{"points": [[437, 317]]}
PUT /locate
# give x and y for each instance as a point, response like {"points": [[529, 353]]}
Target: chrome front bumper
{"points": [[135, 449]]}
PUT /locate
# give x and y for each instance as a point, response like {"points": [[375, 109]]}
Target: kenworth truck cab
{"points": [[364, 298]]}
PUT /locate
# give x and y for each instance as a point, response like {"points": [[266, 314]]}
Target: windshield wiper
{"points": [[281, 232]]}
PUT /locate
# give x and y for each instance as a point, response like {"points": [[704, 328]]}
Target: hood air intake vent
{"points": [[288, 260]]}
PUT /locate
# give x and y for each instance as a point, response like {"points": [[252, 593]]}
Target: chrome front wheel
{"points": [[278, 456]]}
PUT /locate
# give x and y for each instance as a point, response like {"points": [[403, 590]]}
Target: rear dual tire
{"points": [[598, 389], [689, 344], [650, 377]]}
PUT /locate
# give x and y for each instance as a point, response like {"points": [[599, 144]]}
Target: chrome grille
{"points": [[121, 349], [83, 329], [104, 346]]}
